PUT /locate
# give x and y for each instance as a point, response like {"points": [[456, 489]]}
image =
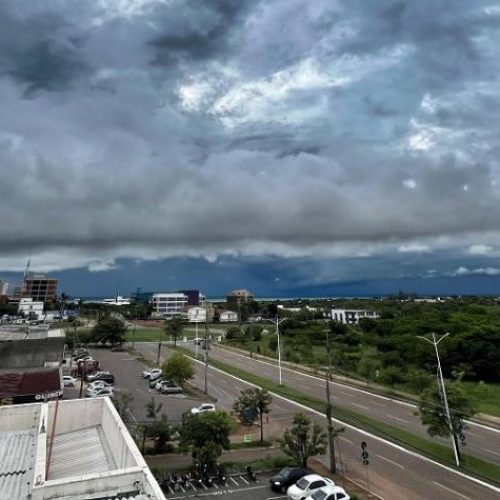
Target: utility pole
{"points": [[159, 349], [276, 321], [206, 354], [442, 387], [328, 411]]}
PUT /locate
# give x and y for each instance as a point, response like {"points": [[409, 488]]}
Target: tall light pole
{"points": [[277, 321], [454, 440], [328, 412]]}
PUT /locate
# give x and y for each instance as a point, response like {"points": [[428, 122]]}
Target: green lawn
{"points": [[485, 397]]}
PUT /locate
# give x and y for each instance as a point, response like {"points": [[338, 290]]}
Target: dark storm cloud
{"points": [[155, 128]]}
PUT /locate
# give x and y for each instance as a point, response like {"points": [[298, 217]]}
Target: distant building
{"points": [[39, 287], [4, 288], [75, 449], [352, 316], [228, 317], [197, 314], [240, 296], [169, 305], [194, 297], [30, 307]]}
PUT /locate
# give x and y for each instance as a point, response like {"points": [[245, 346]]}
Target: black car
{"points": [[107, 377], [286, 477]]}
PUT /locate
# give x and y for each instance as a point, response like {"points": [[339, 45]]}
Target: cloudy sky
{"points": [[286, 144]]}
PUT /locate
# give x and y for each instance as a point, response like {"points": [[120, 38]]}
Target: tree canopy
{"points": [[251, 404], [178, 368], [108, 329]]}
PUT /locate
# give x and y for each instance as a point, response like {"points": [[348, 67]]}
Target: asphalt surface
{"points": [[392, 473], [482, 442]]}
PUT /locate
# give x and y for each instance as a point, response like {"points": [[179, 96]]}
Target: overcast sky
{"points": [[345, 139]]}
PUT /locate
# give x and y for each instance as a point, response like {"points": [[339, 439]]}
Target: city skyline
{"points": [[298, 146]]}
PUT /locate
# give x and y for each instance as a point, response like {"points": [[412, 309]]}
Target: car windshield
{"points": [[303, 483], [319, 495]]}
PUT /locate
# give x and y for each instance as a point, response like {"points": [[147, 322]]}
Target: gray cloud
{"points": [[205, 128]]}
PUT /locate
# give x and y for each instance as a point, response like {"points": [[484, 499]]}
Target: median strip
{"points": [[474, 466]]}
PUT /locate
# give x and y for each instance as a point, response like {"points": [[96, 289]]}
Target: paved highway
{"points": [[393, 473], [482, 442]]}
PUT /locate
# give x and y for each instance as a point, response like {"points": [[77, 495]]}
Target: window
{"points": [[316, 484], [319, 495], [340, 495], [303, 484]]}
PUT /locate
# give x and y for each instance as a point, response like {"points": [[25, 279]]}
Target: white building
{"points": [[4, 287], [228, 317], [197, 314], [29, 306], [352, 316], [71, 450], [169, 305]]}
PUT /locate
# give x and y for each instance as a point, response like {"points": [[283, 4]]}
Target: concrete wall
{"points": [[75, 414], [30, 353]]}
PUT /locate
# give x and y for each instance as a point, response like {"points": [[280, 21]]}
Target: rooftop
{"points": [[70, 450]]}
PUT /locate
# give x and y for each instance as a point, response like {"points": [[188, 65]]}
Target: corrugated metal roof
{"points": [[78, 453], [17, 458], [29, 382]]}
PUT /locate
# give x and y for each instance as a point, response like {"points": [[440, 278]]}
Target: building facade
{"points": [[197, 314], [169, 305], [39, 287], [240, 296], [228, 317], [352, 316], [29, 307]]}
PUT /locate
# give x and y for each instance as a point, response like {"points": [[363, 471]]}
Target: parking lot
{"points": [[237, 486], [128, 377]]}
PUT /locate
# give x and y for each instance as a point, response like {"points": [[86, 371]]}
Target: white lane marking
{"points": [[345, 439], [369, 434], [491, 451], [452, 491], [390, 461], [350, 387], [397, 418], [234, 481], [275, 498], [364, 487], [361, 406], [244, 480]]}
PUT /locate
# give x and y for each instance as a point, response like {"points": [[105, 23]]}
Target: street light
{"points": [[276, 321], [435, 343]]}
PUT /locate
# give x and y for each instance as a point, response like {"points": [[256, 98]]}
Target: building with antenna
{"points": [[39, 287]]}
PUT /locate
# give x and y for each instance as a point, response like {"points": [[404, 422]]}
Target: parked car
{"points": [[105, 377], [306, 486], [330, 493], [170, 388], [80, 353], [155, 375], [151, 373], [99, 392], [204, 408], [95, 375], [68, 380], [98, 384], [286, 477], [153, 383]]}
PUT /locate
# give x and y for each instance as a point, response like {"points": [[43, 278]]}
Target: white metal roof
{"points": [[17, 458]]}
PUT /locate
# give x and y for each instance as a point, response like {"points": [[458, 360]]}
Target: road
{"points": [[482, 442], [393, 473]]}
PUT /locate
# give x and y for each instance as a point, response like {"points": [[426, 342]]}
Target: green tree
{"points": [[178, 368], [418, 380], [369, 363], [152, 409], [391, 375], [433, 415], [174, 328], [206, 434], [160, 430], [109, 330], [254, 401], [303, 440]]}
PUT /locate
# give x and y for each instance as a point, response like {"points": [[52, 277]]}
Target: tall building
{"points": [[169, 305], [4, 287], [240, 296], [39, 287]]}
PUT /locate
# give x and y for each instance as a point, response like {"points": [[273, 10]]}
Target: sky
{"points": [[294, 147]]}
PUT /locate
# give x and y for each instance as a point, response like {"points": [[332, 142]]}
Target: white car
{"points": [[330, 493], [306, 486], [204, 408], [97, 384], [99, 392], [68, 380], [152, 374]]}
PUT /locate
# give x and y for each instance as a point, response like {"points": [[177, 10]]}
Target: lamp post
{"points": [[277, 321], [454, 441]]}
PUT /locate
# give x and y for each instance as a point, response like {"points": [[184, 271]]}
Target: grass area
{"points": [[443, 454], [485, 397]]}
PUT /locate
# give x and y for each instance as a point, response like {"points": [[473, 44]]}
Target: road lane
{"points": [[480, 439], [402, 474]]}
